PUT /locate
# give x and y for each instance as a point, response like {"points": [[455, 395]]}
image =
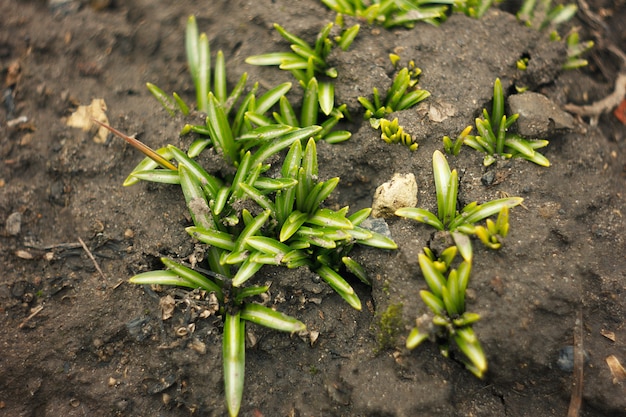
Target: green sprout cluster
{"points": [[542, 16], [307, 63], [258, 215], [445, 298], [494, 138], [461, 223], [403, 93], [393, 13], [392, 132]]}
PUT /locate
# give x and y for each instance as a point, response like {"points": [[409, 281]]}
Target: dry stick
{"points": [[92, 258], [36, 311], [604, 105], [579, 363]]}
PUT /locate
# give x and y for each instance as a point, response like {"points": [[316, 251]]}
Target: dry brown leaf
{"points": [[617, 370], [81, 118]]}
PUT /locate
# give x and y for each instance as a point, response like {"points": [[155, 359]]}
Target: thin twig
{"points": [[606, 104], [36, 311], [92, 258], [579, 364]]}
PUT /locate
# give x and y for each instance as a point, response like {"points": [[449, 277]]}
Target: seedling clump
{"points": [[494, 138]]}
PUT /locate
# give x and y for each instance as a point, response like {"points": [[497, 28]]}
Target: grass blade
{"points": [[193, 277], [420, 215], [267, 317], [234, 360]]}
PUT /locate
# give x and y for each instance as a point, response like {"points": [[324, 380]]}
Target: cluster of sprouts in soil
{"points": [[264, 214]]}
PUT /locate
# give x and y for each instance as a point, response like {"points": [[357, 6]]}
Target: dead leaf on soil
{"points": [[617, 370], [82, 118], [608, 334], [167, 304]]}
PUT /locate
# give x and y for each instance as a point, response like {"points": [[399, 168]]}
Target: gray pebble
{"points": [[13, 225], [539, 117]]}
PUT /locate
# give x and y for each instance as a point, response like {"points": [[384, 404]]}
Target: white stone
{"points": [[400, 191]]}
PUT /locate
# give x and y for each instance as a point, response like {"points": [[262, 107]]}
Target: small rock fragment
{"points": [[13, 225], [400, 191], [539, 117]]}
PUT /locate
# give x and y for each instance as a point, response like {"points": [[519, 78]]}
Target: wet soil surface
{"points": [[79, 340]]}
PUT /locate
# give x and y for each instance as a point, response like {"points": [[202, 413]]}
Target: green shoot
{"points": [[448, 218], [445, 298], [308, 64], [402, 94], [391, 13], [494, 139]]}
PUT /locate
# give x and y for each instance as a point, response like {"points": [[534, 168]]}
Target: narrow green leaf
{"points": [[234, 360], [449, 212], [291, 225], [497, 108], [348, 36], [485, 210], [197, 146], [265, 184], [220, 78], [340, 286], [203, 82], [164, 176], [291, 37], [234, 95], [411, 98], [251, 229], [268, 245], [308, 116], [274, 58], [246, 271], [432, 276], [433, 302], [147, 164], [252, 291], [212, 237], [520, 145], [356, 269], [161, 277], [195, 198], [193, 277], [329, 218], [326, 96], [208, 182], [192, 48], [358, 217], [377, 240], [420, 215], [267, 100], [441, 173], [162, 97], [267, 317], [415, 338], [258, 198], [221, 134], [281, 143], [472, 350]]}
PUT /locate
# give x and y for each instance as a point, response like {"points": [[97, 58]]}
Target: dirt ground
{"points": [[76, 341]]}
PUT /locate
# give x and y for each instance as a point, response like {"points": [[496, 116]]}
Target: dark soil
{"points": [[76, 342]]}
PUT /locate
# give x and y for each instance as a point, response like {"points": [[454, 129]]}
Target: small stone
{"points": [[565, 362], [13, 225], [539, 117], [400, 191]]}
